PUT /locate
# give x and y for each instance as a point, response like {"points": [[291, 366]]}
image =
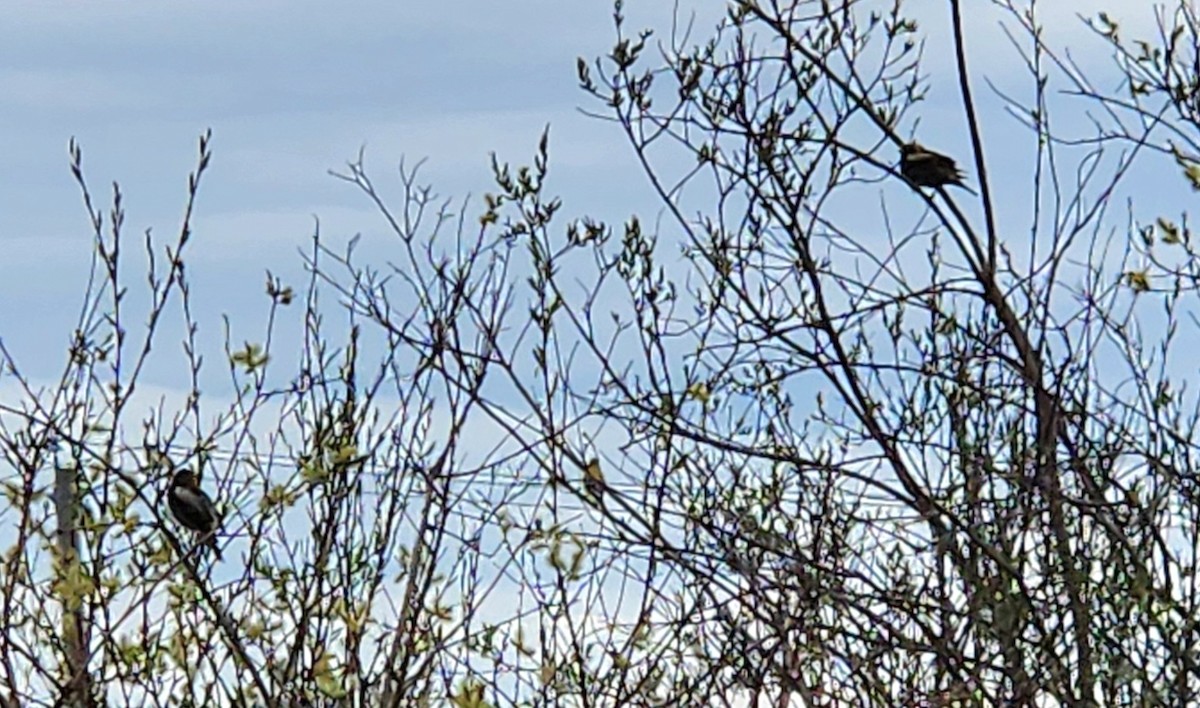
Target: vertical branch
{"points": [[77, 690]]}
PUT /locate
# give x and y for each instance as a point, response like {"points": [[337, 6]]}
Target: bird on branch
{"points": [[193, 508], [926, 168]]}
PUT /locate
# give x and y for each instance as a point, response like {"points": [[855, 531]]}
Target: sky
{"points": [[294, 89], [290, 91]]}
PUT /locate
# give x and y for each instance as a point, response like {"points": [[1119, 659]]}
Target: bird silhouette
{"points": [[193, 508], [926, 168]]}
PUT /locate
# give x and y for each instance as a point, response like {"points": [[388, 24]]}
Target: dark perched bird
{"points": [[193, 508], [926, 168]]}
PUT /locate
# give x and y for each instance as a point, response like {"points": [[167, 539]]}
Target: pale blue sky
{"points": [[292, 89]]}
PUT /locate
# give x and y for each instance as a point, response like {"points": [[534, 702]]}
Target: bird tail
{"points": [[212, 543]]}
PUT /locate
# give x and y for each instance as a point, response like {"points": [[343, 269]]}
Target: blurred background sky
{"points": [[293, 89], [290, 90]]}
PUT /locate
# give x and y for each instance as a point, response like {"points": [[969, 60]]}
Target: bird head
{"points": [[184, 478], [911, 148]]}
